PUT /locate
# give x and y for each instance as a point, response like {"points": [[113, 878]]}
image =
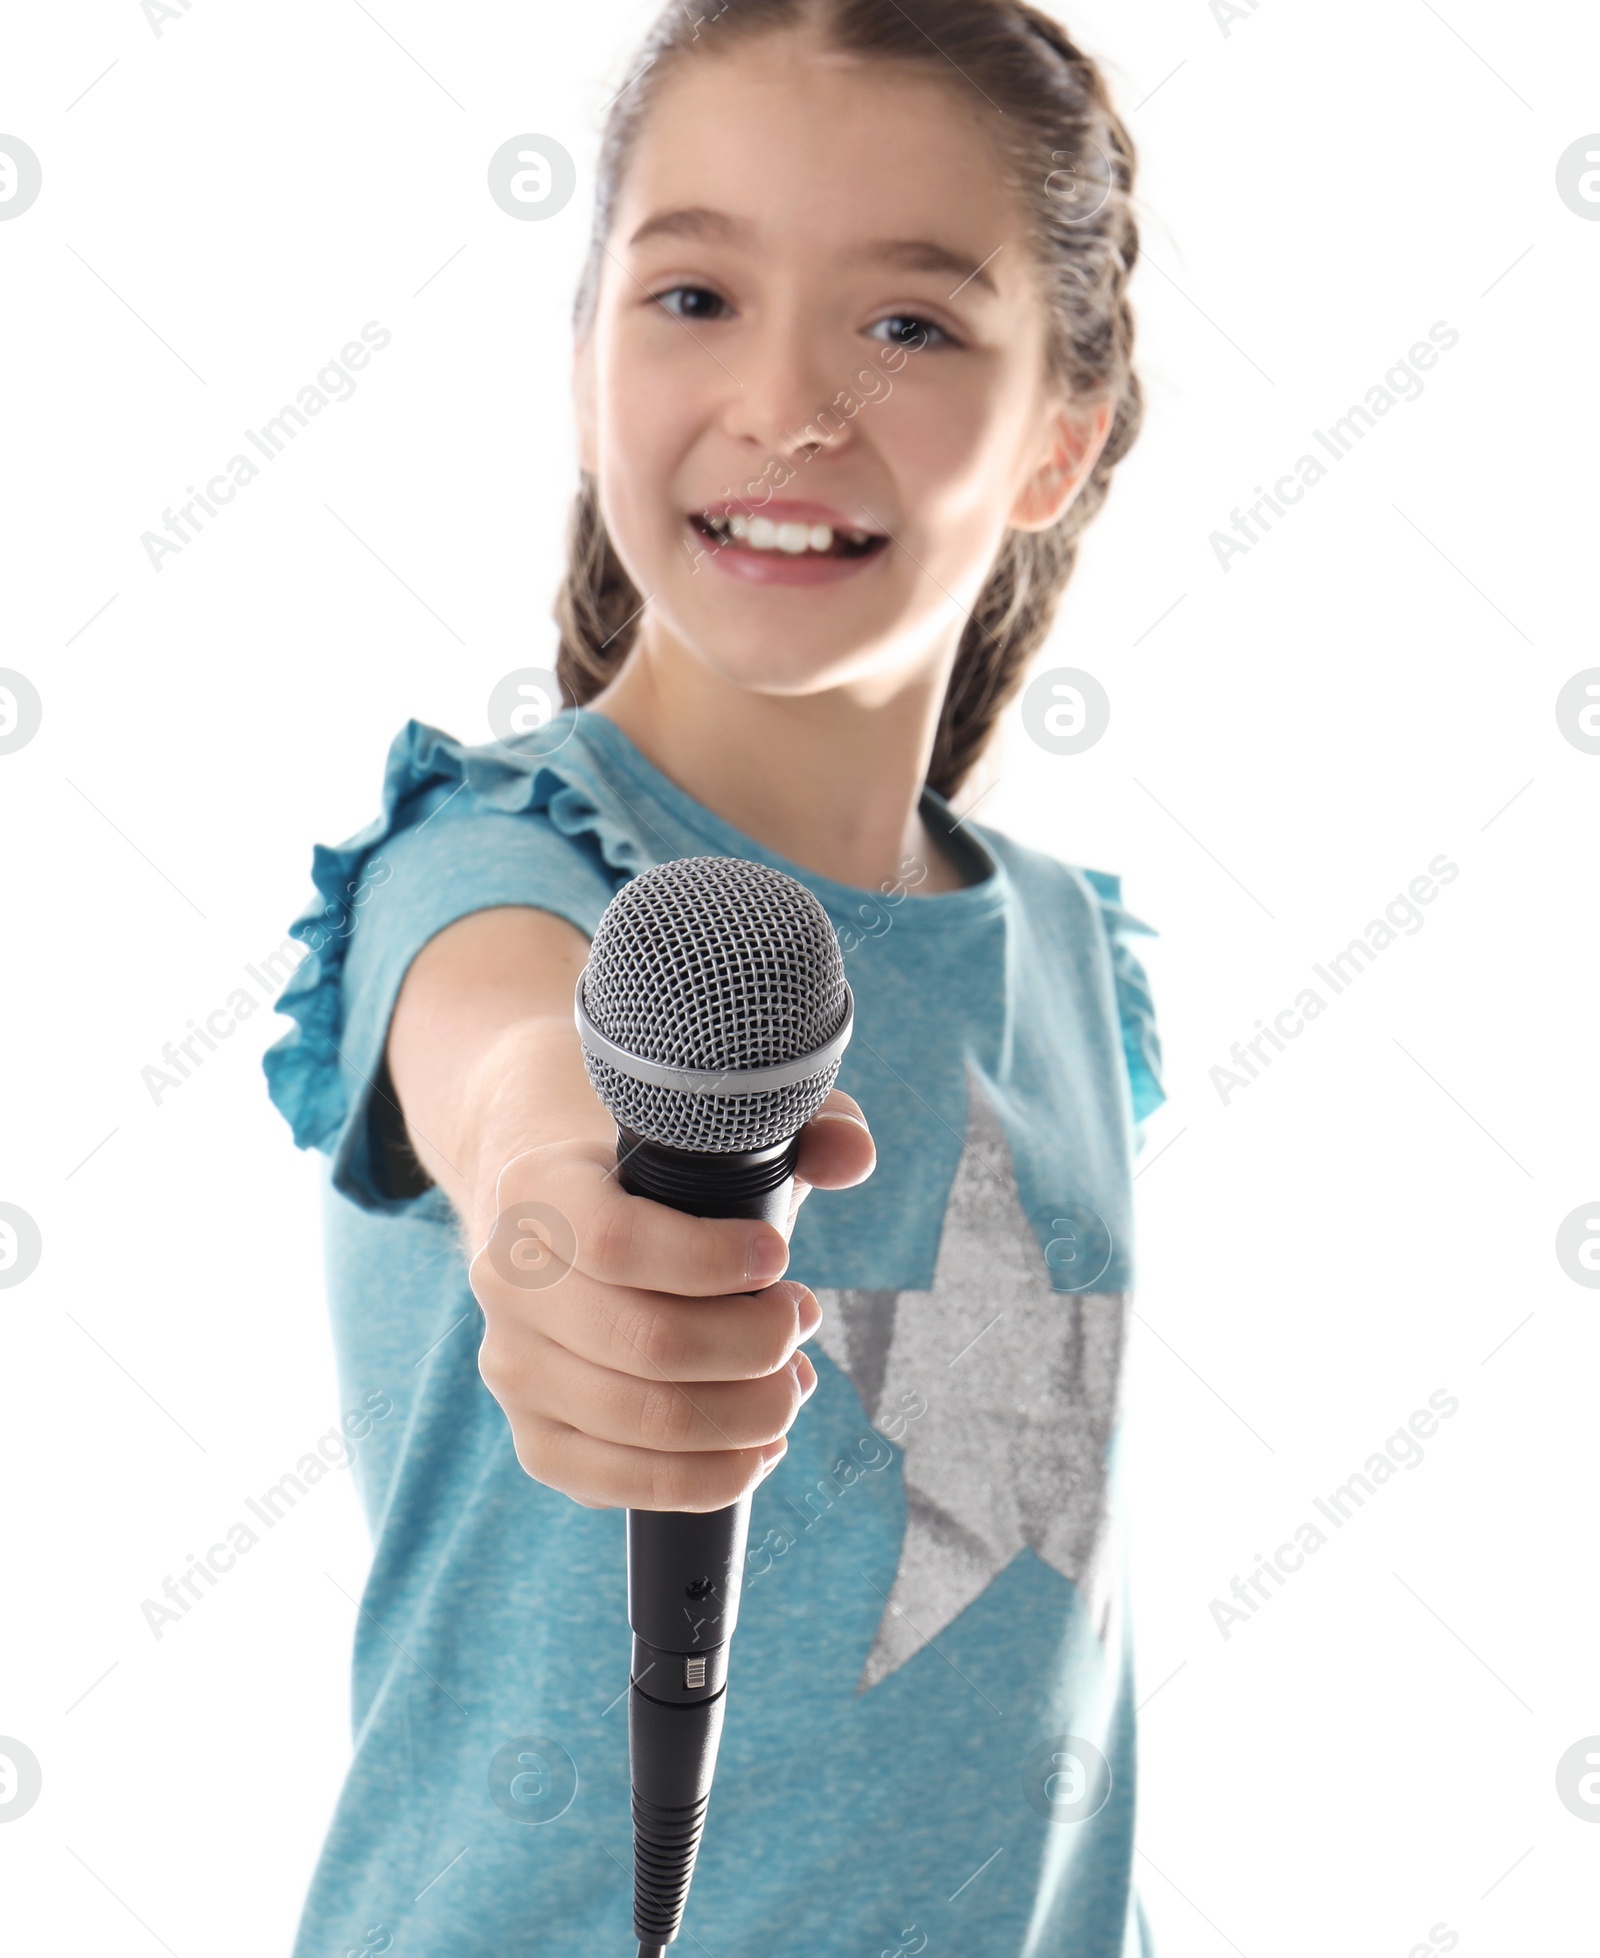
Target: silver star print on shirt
{"points": [[1020, 1383]]}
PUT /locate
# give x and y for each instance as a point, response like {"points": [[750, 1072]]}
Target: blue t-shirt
{"points": [[929, 1738]]}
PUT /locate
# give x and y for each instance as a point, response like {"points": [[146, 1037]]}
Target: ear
{"points": [[583, 402], [1078, 432]]}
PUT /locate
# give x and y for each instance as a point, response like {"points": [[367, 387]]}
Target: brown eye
{"points": [[695, 311], [913, 331]]}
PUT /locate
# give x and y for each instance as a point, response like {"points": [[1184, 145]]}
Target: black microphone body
{"points": [[684, 1576], [713, 1013]]}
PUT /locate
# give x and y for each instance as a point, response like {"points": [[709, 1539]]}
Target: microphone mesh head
{"points": [[713, 962]]}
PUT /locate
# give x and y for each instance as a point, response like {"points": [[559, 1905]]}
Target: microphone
{"points": [[714, 1014]]}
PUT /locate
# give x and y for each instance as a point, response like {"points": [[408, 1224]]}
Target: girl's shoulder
{"points": [[1078, 915], [461, 828], [549, 772]]}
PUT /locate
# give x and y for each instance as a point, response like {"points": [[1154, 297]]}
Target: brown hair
{"points": [[1073, 162]]}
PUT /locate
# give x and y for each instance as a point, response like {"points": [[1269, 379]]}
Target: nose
{"points": [[783, 380]]}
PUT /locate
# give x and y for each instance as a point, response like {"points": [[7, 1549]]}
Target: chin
{"points": [[775, 667]]}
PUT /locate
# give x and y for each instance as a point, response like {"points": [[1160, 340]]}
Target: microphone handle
{"points": [[685, 1572]]}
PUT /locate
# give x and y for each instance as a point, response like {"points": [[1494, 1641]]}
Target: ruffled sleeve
{"points": [[1141, 1041], [462, 829]]}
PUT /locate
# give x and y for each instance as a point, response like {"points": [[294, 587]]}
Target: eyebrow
{"points": [[910, 254]]}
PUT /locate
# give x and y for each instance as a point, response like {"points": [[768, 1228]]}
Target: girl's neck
{"points": [[831, 781]]}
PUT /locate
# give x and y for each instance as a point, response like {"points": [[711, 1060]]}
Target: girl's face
{"points": [[818, 316]]}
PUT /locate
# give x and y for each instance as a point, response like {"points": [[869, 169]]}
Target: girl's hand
{"points": [[644, 1358]]}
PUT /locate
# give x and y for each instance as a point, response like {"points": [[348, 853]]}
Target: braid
{"points": [[1017, 605], [598, 604]]}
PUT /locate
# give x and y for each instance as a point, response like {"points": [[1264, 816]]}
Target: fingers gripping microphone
{"points": [[714, 1013]]}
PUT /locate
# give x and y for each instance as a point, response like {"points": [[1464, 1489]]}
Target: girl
{"points": [[852, 373]]}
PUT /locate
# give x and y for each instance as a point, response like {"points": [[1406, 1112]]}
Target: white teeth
{"points": [[762, 534], [794, 539]]}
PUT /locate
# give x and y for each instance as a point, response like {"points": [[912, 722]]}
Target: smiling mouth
{"points": [[763, 537]]}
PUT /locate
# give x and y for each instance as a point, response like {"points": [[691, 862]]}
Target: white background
{"points": [[1373, 1754]]}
